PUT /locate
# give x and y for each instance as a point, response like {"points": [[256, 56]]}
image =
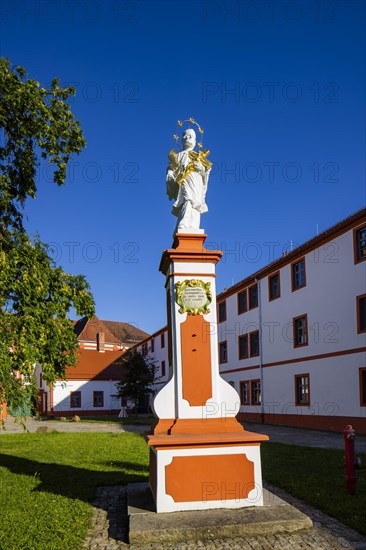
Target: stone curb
{"points": [[109, 530], [147, 527]]}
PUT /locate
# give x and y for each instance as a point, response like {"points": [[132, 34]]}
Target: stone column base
{"points": [[206, 471]]}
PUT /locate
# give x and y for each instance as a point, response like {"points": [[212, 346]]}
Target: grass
{"points": [[47, 482], [317, 476]]}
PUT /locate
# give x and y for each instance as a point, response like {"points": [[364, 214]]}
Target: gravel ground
{"points": [[31, 425]]}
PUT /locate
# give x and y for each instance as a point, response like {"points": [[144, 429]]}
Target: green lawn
{"points": [[47, 482], [317, 476]]}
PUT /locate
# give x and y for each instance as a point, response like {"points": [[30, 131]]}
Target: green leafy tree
{"points": [[35, 295], [36, 123], [137, 379]]}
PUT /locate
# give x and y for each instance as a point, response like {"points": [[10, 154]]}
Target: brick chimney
{"points": [[101, 341]]}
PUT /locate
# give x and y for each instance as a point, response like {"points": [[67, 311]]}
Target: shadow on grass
{"points": [[81, 484], [138, 468]]}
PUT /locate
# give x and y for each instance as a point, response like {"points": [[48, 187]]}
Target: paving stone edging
{"points": [[109, 530], [321, 519]]}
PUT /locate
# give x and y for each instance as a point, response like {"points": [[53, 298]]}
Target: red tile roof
{"points": [[95, 365], [87, 329], [125, 332], [114, 331]]}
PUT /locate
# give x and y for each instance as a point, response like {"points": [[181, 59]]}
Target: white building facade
{"points": [[292, 336], [90, 387], [156, 349]]}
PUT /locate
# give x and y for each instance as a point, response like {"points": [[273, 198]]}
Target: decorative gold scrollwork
{"points": [[193, 296]]}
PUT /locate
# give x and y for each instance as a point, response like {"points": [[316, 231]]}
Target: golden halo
{"points": [[191, 122]]}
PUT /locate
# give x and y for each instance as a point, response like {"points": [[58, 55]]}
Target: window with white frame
{"points": [[360, 244], [253, 296], [274, 290], [242, 302], [223, 352], [245, 392], [254, 343], [300, 327], [361, 313], [222, 311], [298, 274], [98, 398], [75, 399], [243, 346], [255, 386], [302, 389]]}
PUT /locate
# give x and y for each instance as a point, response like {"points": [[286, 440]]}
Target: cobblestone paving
{"points": [[109, 530], [321, 520], [305, 437]]}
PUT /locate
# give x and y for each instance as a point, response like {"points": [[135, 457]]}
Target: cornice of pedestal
{"points": [[188, 247], [219, 439], [200, 425]]}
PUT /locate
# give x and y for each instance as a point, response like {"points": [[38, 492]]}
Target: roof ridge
{"points": [[301, 248]]}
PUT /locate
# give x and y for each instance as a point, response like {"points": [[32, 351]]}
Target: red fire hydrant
{"points": [[352, 462]]}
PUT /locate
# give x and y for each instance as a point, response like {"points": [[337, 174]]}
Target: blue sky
{"points": [[279, 88]]}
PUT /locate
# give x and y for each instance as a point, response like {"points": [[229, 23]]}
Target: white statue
{"points": [[186, 181]]}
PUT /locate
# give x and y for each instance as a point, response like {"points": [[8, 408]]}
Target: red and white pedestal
{"points": [[200, 456]]}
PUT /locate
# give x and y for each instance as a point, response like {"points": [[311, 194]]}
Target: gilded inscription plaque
{"points": [[193, 296]]}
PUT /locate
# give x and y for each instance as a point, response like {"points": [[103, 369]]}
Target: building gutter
{"points": [[258, 281]]}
